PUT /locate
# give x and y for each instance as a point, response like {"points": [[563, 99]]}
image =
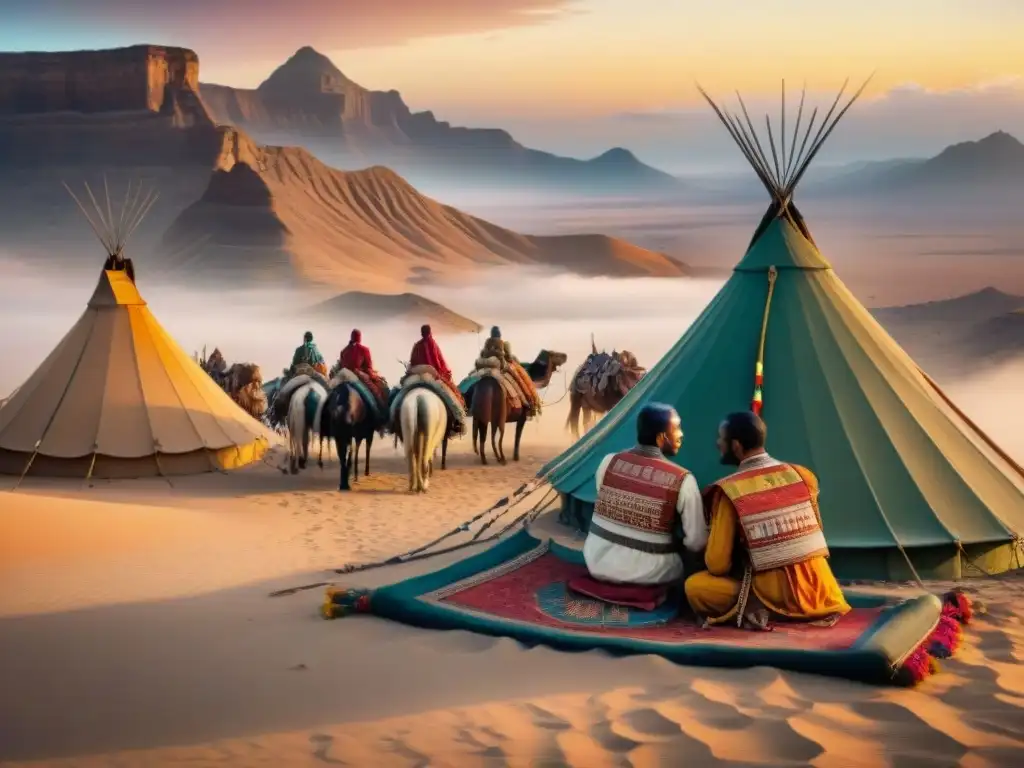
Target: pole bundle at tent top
{"points": [[780, 169], [113, 232]]}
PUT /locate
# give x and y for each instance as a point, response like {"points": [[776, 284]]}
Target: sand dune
{"points": [[287, 217], [381, 307]]}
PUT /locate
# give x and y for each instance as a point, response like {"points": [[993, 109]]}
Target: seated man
{"points": [[356, 355], [308, 354], [356, 358], [494, 347], [766, 533], [426, 351], [639, 496]]}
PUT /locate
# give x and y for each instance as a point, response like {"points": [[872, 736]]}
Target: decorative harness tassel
{"points": [[758, 402]]}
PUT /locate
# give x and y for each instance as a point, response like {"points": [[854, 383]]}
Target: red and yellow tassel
{"points": [[757, 402]]}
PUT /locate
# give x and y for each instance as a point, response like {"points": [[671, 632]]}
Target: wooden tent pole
{"points": [[92, 466], [988, 440], [28, 466]]}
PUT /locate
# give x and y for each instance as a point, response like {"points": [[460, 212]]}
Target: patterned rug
{"points": [[536, 591], [519, 588]]}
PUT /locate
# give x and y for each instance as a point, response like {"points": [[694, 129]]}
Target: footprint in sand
{"points": [[399, 747], [322, 743]]}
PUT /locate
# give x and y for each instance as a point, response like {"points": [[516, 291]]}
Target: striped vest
{"points": [[640, 491], [777, 520]]}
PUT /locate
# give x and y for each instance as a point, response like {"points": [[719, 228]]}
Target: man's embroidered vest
{"points": [[640, 492], [777, 520]]}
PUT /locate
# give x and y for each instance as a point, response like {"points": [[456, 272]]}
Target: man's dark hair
{"points": [[424, 331], [653, 420], [747, 429]]}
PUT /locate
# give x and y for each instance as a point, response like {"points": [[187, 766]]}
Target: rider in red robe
{"points": [[356, 356], [427, 352]]}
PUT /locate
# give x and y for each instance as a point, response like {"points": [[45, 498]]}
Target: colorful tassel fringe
{"points": [[943, 642], [339, 603]]}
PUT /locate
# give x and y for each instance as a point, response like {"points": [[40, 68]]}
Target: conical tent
{"points": [[118, 397], [909, 486]]}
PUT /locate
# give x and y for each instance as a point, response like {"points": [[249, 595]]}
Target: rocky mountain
{"points": [[308, 101], [994, 163], [959, 335], [232, 212]]}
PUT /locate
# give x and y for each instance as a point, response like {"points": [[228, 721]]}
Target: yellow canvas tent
{"points": [[119, 398]]}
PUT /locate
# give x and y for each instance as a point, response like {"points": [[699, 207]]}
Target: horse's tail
{"points": [[296, 422], [422, 424], [572, 421], [318, 414]]}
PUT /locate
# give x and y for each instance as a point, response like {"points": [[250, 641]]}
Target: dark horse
{"points": [[350, 424], [490, 407]]}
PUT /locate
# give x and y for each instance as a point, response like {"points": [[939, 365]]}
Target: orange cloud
{"points": [[278, 26]]}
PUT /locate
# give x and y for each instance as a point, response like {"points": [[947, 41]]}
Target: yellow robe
{"points": [[805, 591]]}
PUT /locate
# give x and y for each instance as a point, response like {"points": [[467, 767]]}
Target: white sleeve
{"points": [[602, 468], [691, 509]]}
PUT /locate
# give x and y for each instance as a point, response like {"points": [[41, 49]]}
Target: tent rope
{"points": [[422, 552], [758, 401], [1018, 547]]}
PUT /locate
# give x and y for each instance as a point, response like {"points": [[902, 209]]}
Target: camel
{"points": [[351, 424], [424, 424], [243, 382], [490, 408], [587, 400]]}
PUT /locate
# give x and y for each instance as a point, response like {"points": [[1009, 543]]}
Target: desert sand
{"points": [[136, 629]]}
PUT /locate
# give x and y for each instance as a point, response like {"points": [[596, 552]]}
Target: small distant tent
{"points": [[118, 398], [909, 486]]}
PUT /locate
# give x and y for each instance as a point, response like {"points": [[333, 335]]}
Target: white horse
{"points": [[305, 393], [424, 421]]}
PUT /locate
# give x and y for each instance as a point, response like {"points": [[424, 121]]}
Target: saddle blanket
{"points": [[283, 394], [374, 393], [451, 397], [601, 370], [514, 380]]}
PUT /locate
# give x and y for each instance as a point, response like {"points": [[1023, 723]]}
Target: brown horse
{"points": [[490, 408], [584, 400]]}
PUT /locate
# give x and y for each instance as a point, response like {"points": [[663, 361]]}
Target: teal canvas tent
{"points": [[909, 485]]}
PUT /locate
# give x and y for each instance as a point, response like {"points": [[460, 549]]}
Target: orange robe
{"points": [[805, 591]]}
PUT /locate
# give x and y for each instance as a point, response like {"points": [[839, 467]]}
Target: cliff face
{"points": [[122, 107], [139, 78], [114, 117], [309, 101]]}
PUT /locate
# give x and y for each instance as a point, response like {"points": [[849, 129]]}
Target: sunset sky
{"points": [[549, 68]]}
